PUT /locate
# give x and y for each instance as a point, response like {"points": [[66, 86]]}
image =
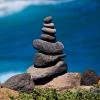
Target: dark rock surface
{"points": [[21, 82], [47, 37], [49, 30], [41, 60], [89, 77], [40, 73], [47, 47]]}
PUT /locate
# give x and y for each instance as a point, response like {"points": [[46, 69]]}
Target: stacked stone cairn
{"points": [[48, 60]]}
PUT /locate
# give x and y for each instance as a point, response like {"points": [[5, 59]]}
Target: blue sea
{"points": [[78, 28]]}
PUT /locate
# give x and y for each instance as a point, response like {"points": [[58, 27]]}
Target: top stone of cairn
{"points": [[48, 19]]}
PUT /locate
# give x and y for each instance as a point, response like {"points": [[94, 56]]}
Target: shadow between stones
{"points": [[47, 79], [50, 64]]}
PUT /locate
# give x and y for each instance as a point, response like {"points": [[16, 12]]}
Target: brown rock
{"points": [[47, 47], [89, 77], [21, 82], [49, 25], [99, 82], [42, 60], [47, 37], [40, 73], [48, 19], [63, 82], [49, 30]]}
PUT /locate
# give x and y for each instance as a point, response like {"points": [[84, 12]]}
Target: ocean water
{"points": [[78, 28]]}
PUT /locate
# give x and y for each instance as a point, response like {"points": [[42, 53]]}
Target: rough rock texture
{"points": [[39, 73], [21, 82], [43, 60], [63, 82], [48, 38], [47, 47], [89, 77]]}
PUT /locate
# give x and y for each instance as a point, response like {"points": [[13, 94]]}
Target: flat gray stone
{"points": [[47, 37], [42, 60], [49, 25], [47, 47], [49, 30], [40, 73]]}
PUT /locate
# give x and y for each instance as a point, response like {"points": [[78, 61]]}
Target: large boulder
{"points": [[20, 82], [38, 73], [89, 77], [44, 75], [63, 82]]}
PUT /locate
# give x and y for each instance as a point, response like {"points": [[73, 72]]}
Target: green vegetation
{"points": [[52, 94]]}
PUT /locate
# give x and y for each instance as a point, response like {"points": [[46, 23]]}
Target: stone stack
{"points": [[48, 61]]}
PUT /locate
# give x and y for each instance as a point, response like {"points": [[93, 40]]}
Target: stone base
{"points": [[42, 76], [63, 82]]}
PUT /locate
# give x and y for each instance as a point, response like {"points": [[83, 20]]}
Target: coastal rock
{"points": [[42, 60], [63, 82], [47, 37], [49, 25], [49, 30], [21, 82], [48, 19], [47, 47], [99, 82], [40, 73], [89, 77]]}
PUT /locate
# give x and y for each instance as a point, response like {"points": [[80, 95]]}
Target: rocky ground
{"points": [[7, 94], [68, 81]]}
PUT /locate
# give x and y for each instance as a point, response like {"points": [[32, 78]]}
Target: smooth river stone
{"points": [[47, 47], [49, 30], [48, 19], [48, 37], [42, 60], [49, 25], [40, 73]]}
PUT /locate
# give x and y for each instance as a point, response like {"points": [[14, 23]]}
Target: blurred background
{"points": [[78, 28]]}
